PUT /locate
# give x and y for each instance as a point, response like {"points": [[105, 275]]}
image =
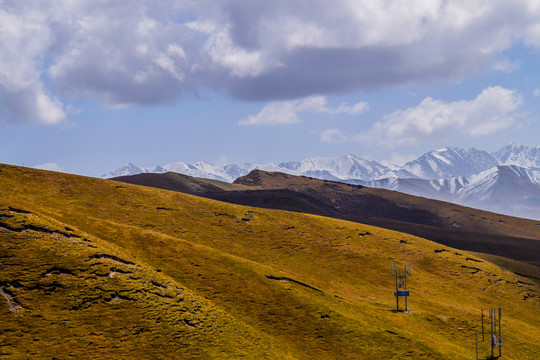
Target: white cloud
{"points": [[286, 112], [222, 160], [120, 53], [24, 38], [494, 109], [125, 53], [536, 92], [276, 113], [235, 59], [31, 104], [149, 52], [357, 108], [49, 166], [333, 136]]}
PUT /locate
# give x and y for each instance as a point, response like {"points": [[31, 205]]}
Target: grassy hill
{"points": [[446, 223], [98, 269]]}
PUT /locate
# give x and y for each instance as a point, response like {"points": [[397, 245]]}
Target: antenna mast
{"points": [[401, 283]]}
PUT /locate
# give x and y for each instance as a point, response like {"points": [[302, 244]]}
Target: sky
{"points": [[87, 86]]}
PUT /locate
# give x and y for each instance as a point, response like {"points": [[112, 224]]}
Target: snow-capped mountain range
{"points": [[506, 181], [450, 162], [520, 155], [504, 189]]}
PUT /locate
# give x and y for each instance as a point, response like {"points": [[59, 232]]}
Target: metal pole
{"points": [[476, 336], [491, 323], [500, 341], [405, 283], [482, 310], [397, 296]]}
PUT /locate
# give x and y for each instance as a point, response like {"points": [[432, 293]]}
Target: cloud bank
{"points": [[150, 52], [494, 109], [286, 112]]}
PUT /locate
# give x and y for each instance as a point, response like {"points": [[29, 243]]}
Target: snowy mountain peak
{"points": [[444, 149], [519, 155], [336, 168], [450, 162], [128, 169]]}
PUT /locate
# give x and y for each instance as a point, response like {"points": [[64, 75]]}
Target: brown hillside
{"points": [[446, 223]]}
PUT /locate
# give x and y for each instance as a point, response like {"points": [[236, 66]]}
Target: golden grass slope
{"points": [[445, 223], [70, 294], [98, 269]]}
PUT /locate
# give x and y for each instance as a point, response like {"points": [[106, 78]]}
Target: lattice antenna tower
{"points": [[495, 336], [495, 325], [401, 283]]}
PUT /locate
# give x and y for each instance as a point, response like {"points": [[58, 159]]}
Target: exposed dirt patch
{"points": [[18, 211], [57, 271], [164, 208], [13, 306], [116, 298], [111, 257], [24, 227], [224, 214], [474, 269], [293, 281]]}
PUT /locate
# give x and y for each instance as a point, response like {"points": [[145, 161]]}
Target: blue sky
{"points": [[87, 86]]}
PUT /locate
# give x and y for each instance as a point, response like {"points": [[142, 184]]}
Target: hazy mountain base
{"points": [[247, 266]]}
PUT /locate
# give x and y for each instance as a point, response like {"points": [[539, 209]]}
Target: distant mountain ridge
{"points": [[505, 181], [450, 162], [436, 164], [504, 189], [519, 155]]}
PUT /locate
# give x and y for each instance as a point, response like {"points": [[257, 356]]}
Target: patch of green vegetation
{"points": [[101, 271]]}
